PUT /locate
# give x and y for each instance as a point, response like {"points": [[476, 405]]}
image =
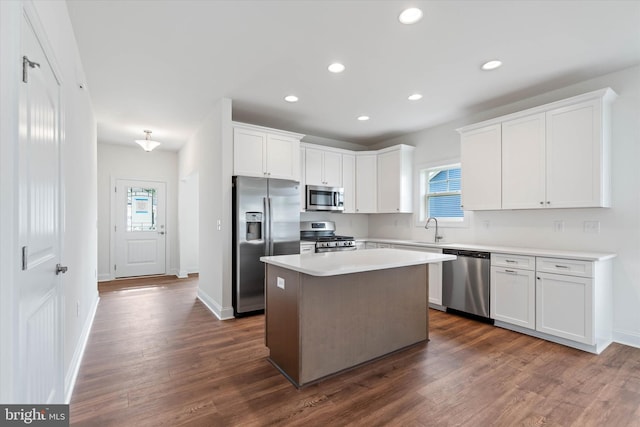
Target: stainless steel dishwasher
{"points": [[465, 282]]}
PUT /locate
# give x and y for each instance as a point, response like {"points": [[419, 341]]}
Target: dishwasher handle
{"points": [[467, 253]]}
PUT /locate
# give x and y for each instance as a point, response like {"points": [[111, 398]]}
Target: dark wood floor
{"points": [[157, 356]]}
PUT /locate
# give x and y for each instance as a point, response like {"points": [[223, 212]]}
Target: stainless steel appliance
{"points": [[465, 282], [266, 219], [319, 198], [323, 233]]}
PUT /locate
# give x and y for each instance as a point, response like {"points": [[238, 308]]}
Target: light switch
{"points": [[280, 282]]}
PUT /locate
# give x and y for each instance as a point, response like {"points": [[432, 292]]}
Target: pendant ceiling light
{"points": [[147, 143]]}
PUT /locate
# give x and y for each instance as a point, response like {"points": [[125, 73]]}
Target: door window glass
{"points": [[141, 209]]}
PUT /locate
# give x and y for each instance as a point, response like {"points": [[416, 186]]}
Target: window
{"points": [[442, 195]]}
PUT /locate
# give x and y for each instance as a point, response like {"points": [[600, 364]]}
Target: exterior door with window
{"points": [[139, 228]]}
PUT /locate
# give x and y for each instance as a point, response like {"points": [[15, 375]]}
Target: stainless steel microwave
{"points": [[320, 198]]}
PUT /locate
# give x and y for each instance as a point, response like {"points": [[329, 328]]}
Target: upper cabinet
{"points": [[366, 182], [395, 179], [349, 182], [553, 156], [323, 167], [481, 176], [265, 152]]}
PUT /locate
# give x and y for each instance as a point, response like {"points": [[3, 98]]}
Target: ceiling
{"points": [[161, 65]]}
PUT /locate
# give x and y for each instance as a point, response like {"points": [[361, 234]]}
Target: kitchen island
{"points": [[332, 311]]}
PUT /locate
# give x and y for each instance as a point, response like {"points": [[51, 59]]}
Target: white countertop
{"points": [[513, 250], [346, 262]]}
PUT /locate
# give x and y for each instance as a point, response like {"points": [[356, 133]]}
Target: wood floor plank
{"points": [[157, 356]]}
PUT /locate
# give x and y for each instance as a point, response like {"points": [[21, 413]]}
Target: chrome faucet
{"points": [[436, 237]]}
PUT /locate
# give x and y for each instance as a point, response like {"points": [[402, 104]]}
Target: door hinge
{"points": [[115, 228], [25, 253], [114, 267], [115, 189], [26, 64]]}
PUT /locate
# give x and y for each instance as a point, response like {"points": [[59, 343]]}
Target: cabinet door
{"points": [[574, 158], [303, 184], [513, 296], [523, 163], [248, 152], [366, 177], [332, 168], [388, 182], [481, 168], [349, 182], [283, 157], [564, 307], [313, 167]]}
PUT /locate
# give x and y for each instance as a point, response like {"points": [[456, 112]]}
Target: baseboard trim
{"points": [[632, 339], [219, 312], [76, 361], [105, 277]]}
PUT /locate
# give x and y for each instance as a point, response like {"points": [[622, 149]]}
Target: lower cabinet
{"points": [[513, 296], [307, 248], [563, 300]]}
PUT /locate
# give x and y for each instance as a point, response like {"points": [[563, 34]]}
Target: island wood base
{"points": [[319, 325]]}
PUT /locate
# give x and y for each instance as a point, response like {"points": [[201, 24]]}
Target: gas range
{"points": [[323, 234]]}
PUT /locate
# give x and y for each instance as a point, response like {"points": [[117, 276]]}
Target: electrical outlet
{"points": [[591, 227], [78, 308], [280, 282], [558, 226], [219, 225]]}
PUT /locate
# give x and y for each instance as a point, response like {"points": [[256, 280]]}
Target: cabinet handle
{"points": [[510, 271], [538, 278], [510, 261], [548, 202], [561, 266], [542, 203]]}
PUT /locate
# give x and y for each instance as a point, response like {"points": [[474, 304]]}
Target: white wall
{"points": [[123, 162], [188, 224], [79, 237], [209, 153], [619, 225]]}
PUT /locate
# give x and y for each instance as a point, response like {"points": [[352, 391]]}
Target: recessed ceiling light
{"points": [[491, 65], [415, 97], [291, 98], [336, 67], [363, 118], [410, 16]]}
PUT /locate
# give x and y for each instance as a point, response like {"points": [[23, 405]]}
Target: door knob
{"points": [[161, 232], [61, 269]]}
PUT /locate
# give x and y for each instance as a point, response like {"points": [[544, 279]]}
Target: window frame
{"points": [[422, 172]]}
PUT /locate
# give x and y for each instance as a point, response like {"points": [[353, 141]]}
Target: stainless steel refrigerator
{"points": [[266, 221]]}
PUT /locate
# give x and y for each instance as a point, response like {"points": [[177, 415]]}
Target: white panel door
{"points": [[39, 351], [283, 157], [313, 167], [332, 169], [139, 228], [349, 182], [249, 152], [513, 296], [366, 183]]}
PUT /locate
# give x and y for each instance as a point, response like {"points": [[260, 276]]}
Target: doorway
{"points": [[138, 244]]}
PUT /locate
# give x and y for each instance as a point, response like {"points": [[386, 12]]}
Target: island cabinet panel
{"points": [[320, 325]]}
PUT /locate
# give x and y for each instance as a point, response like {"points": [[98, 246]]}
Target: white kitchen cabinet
{"points": [[523, 163], [578, 156], [553, 156], [265, 152], [435, 274], [366, 182], [303, 184], [513, 290], [564, 307], [307, 248], [349, 182], [395, 178], [323, 167], [480, 158]]}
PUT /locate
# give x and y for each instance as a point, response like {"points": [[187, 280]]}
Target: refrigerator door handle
{"points": [[266, 226], [270, 225]]}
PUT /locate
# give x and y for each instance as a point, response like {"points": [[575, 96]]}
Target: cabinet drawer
{"points": [[571, 267], [513, 261], [307, 248]]}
